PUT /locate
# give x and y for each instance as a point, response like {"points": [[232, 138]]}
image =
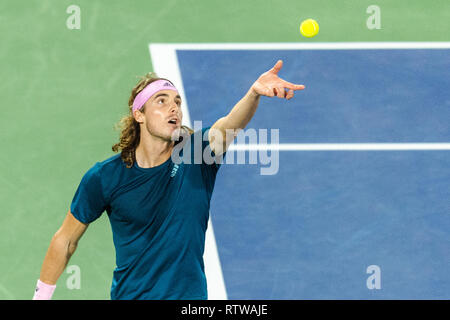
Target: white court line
{"points": [[300, 46], [165, 64], [341, 147]]}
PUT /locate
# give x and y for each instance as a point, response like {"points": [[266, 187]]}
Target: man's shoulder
{"points": [[108, 166], [111, 161]]}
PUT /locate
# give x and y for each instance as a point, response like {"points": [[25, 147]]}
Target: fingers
{"points": [[280, 92], [290, 94], [287, 94], [272, 92], [269, 92], [277, 67], [292, 86]]}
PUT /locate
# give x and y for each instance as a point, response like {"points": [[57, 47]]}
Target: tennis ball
{"points": [[309, 28]]}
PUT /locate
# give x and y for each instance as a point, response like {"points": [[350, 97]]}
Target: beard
{"points": [[163, 133]]}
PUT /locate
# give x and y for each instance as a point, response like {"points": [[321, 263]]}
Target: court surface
{"points": [[311, 230]]}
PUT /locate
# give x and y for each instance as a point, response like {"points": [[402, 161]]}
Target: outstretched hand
{"points": [[270, 85]]}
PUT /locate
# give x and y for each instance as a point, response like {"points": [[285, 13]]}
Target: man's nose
{"points": [[173, 108]]}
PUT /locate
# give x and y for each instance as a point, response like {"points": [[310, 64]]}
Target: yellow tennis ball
{"points": [[309, 28]]}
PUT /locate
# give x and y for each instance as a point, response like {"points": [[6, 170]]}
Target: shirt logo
{"points": [[174, 170]]}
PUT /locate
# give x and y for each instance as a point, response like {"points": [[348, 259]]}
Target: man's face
{"points": [[163, 116]]}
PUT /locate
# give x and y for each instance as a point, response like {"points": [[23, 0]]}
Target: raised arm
{"points": [[62, 247], [224, 130]]}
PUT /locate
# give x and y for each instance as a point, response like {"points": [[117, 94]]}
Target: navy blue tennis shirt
{"points": [[158, 217]]}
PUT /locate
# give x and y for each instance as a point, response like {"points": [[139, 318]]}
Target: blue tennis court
{"points": [[312, 230]]}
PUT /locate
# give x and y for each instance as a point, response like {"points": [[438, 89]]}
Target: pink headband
{"points": [[143, 96]]}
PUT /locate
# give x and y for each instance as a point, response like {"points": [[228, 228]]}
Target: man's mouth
{"points": [[173, 121]]}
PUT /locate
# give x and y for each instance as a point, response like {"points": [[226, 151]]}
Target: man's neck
{"points": [[152, 152]]}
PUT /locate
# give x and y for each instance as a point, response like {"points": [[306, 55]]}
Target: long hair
{"points": [[130, 130]]}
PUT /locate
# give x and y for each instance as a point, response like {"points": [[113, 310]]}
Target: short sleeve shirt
{"points": [[158, 217]]}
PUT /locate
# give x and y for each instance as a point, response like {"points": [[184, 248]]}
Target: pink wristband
{"points": [[43, 291]]}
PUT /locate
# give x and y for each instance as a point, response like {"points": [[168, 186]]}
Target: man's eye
{"points": [[163, 100]]}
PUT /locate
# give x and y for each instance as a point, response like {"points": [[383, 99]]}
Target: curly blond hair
{"points": [[130, 129]]}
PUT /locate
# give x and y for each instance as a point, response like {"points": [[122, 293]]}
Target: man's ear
{"points": [[138, 116]]}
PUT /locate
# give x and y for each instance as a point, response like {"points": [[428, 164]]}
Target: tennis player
{"points": [[158, 210]]}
